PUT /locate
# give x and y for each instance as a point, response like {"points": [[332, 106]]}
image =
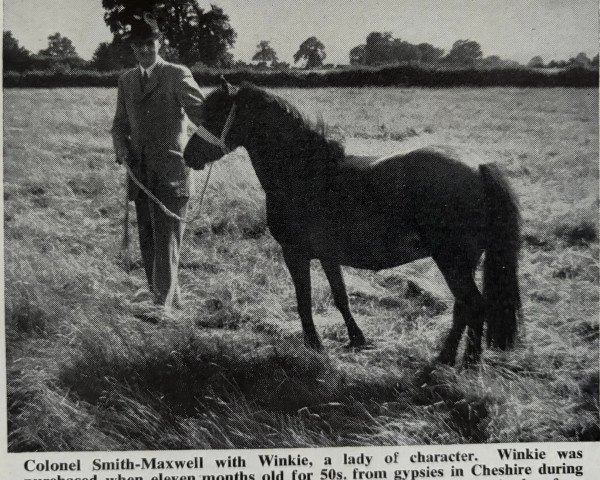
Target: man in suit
{"points": [[150, 132]]}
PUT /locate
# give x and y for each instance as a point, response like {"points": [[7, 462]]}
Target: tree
{"points": [[557, 64], [59, 47], [226, 60], [536, 62], [313, 51], [358, 55], [495, 62], [401, 51], [382, 48], [265, 52], [104, 58], [196, 34], [378, 48], [115, 55], [429, 53], [464, 52], [60, 54], [581, 60], [15, 57], [594, 62]]}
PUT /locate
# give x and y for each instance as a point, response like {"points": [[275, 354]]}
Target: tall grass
{"points": [[86, 372]]}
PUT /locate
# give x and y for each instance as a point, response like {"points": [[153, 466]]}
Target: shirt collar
{"points": [[150, 69]]}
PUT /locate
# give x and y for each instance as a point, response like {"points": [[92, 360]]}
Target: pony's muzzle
{"points": [[198, 153]]}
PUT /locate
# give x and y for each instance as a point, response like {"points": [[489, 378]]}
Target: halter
{"points": [[204, 134], [210, 138]]}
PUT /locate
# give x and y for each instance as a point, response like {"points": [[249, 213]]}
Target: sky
{"points": [[512, 29]]}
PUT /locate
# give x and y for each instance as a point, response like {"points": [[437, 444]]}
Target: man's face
{"points": [[146, 51]]}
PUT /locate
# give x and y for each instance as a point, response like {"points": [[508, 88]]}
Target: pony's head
{"points": [[283, 145], [216, 115]]}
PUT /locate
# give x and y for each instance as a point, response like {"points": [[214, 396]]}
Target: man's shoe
{"points": [[143, 295], [150, 312]]}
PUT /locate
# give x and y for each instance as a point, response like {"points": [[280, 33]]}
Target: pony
{"points": [[373, 213]]}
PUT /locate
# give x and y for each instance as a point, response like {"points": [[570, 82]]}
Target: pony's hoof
{"points": [[471, 361], [358, 344], [472, 356], [357, 339], [314, 344]]}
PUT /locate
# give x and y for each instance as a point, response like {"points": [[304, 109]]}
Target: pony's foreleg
{"points": [[299, 266], [334, 275]]}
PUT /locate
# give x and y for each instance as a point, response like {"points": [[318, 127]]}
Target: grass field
{"points": [[231, 371]]}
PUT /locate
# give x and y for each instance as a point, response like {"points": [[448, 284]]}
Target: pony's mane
{"points": [[315, 135]]}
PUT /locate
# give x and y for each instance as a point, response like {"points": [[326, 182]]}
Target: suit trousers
{"points": [[160, 242]]}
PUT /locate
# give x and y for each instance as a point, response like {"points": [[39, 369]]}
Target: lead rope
{"points": [[219, 142], [205, 135]]}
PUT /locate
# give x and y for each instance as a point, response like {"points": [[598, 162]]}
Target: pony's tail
{"points": [[500, 281]]}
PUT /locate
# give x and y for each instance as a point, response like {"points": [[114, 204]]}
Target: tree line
{"points": [[200, 37]]}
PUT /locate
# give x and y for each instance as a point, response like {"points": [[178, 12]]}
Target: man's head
{"points": [[145, 40]]}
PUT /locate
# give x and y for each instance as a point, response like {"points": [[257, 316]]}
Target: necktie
{"points": [[144, 80]]}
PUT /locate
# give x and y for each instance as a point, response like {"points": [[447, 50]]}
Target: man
{"points": [[149, 132]]}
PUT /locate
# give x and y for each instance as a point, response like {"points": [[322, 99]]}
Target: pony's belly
{"points": [[376, 252], [374, 244]]}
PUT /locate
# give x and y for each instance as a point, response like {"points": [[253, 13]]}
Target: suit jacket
{"points": [[151, 127]]}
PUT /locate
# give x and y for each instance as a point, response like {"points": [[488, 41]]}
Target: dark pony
{"points": [[374, 213]]}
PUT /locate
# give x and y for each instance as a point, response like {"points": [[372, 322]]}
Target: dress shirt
{"points": [[150, 68]]}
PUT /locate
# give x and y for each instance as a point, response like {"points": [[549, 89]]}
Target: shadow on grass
{"points": [[188, 377]]}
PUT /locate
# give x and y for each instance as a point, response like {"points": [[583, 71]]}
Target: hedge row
{"points": [[401, 76]]}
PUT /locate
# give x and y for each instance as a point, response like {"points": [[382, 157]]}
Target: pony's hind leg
{"points": [[448, 353], [334, 275], [468, 309], [475, 331], [299, 266]]}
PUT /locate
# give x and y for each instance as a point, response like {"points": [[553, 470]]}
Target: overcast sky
{"points": [[512, 29]]}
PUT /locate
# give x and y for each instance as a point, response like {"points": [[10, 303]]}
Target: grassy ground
{"points": [[231, 371]]}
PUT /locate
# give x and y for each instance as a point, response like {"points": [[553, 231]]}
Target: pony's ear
{"points": [[228, 87]]}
